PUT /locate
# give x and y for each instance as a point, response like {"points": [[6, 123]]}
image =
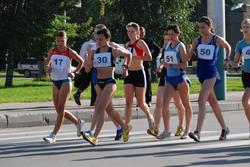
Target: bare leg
{"points": [[60, 98], [170, 90], [206, 89], [140, 97], [180, 108], [158, 106], [217, 111], [105, 98], [245, 103], [183, 90], [129, 94]]}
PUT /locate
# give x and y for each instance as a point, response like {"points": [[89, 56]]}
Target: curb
{"points": [[45, 118]]}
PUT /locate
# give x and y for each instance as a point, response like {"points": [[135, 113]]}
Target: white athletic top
{"points": [[61, 64]]}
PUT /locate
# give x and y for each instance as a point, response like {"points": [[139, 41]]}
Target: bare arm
{"points": [[191, 48], [47, 66], [147, 57], [127, 56], [221, 42], [236, 61], [80, 61]]}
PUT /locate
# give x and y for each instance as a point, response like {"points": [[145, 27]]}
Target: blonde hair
{"points": [[100, 26], [133, 24], [245, 21]]}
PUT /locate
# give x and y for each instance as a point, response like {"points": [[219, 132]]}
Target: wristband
{"points": [[75, 73], [124, 65]]}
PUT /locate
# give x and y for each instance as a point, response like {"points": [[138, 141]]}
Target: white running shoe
{"points": [[194, 135], [50, 139], [79, 127], [165, 134], [224, 133], [185, 134]]}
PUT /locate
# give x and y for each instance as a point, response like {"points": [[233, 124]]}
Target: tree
{"points": [[24, 27], [154, 15]]}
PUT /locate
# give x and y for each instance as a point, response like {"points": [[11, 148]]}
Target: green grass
{"points": [[3, 73], [28, 90]]}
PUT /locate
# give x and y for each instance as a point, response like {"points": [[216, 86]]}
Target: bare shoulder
{"points": [[219, 38], [50, 51], [71, 51], [141, 42], [114, 45]]}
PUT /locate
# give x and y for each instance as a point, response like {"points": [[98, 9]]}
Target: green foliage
{"points": [[42, 79], [154, 15], [24, 27]]}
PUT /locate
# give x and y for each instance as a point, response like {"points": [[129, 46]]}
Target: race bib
{"points": [[102, 60], [206, 52], [59, 62], [246, 52], [170, 57]]}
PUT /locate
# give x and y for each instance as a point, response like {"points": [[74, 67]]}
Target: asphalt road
{"points": [[23, 147]]}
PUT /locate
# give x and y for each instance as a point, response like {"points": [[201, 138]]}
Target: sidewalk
{"points": [[13, 115]]}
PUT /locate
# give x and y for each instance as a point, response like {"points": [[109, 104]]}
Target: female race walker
{"points": [[207, 46], [90, 48], [103, 59], [175, 60], [159, 99], [58, 64], [243, 50], [135, 82]]}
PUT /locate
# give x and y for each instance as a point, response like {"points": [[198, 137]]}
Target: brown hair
{"points": [[61, 34], [100, 26], [105, 32], [207, 21], [173, 27], [133, 24]]}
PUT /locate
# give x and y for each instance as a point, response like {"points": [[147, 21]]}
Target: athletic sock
{"points": [[119, 127]]}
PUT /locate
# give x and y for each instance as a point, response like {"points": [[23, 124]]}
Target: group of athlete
{"points": [[100, 58]]}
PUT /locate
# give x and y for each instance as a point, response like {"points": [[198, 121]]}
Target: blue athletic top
{"points": [[244, 49], [172, 56], [207, 53]]}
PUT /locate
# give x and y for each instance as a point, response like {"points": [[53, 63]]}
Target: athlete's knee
{"points": [[245, 102], [201, 101]]}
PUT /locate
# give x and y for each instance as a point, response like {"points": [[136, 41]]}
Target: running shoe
{"points": [[79, 127], [151, 122], [179, 131], [118, 134], [195, 135], [89, 132], [165, 134], [77, 98], [224, 133], [125, 133], [153, 132], [185, 134], [149, 104], [50, 139], [91, 139]]}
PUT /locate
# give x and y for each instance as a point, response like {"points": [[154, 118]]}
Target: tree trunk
{"points": [[153, 71], [9, 70], [40, 63]]}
